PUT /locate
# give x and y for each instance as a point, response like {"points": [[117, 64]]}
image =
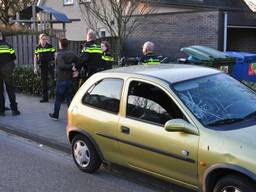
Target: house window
{"points": [[68, 2], [102, 34]]}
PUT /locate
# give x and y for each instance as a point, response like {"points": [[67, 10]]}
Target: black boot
{"points": [[15, 113]]}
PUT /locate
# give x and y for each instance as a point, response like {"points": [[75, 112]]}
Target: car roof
{"points": [[171, 73]]}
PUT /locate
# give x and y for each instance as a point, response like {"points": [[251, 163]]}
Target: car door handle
{"points": [[125, 130]]}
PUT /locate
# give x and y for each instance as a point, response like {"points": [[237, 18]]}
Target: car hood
{"points": [[243, 135]]}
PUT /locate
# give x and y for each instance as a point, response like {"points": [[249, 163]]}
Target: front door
{"points": [[147, 145]]}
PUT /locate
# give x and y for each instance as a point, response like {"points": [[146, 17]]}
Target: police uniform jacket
{"points": [[7, 57], [44, 54], [90, 57], [149, 59], [106, 61]]}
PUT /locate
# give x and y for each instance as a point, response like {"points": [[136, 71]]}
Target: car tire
{"points": [[234, 183], [85, 155]]}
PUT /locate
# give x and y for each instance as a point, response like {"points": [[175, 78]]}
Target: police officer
{"points": [[7, 65], [148, 54], [107, 58], [44, 62], [90, 57]]}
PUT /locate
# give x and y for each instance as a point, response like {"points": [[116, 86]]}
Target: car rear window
{"points": [[105, 95]]}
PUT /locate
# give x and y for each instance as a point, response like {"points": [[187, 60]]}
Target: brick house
{"points": [[77, 29], [220, 24]]}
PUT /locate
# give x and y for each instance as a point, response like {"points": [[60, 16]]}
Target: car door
{"points": [[144, 142], [98, 114]]}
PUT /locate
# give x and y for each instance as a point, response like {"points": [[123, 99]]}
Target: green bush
{"points": [[27, 82]]}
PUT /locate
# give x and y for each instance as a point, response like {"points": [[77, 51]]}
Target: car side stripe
{"points": [[148, 148]]}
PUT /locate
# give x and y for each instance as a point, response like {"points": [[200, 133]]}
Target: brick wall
{"points": [[172, 31], [241, 39]]}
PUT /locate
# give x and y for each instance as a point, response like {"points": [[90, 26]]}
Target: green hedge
{"points": [[28, 83]]}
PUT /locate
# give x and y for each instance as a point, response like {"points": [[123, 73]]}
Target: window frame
{"points": [[162, 89], [92, 88], [65, 3]]}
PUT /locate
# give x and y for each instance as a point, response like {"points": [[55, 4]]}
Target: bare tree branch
{"points": [[120, 17], [10, 7]]}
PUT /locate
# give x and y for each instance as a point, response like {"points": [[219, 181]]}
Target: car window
{"points": [[105, 95], [147, 102], [217, 99]]}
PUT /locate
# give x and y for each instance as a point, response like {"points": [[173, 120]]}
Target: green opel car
{"points": [[190, 125]]}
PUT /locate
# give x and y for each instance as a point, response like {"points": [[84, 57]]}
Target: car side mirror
{"points": [[180, 125]]}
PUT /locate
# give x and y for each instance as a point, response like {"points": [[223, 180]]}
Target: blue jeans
{"points": [[64, 90]]}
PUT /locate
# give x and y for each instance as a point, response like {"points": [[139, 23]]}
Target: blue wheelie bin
{"points": [[244, 68]]}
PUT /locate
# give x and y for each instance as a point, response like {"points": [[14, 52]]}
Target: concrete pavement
{"points": [[35, 124]]}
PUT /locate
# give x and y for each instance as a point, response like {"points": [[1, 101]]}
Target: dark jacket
{"points": [[107, 61], [7, 53], [90, 58], [65, 59], [7, 65], [149, 59], [44, 54]]}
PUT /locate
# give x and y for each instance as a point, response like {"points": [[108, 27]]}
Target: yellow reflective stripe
{"points": [[95, 46], [107, 58], [152, 61], [92, 50], [43, 50], [6, 49], [10, 51], [149, 63]]}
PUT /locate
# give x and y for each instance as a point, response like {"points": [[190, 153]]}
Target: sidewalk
{"points": [[34, 123]]}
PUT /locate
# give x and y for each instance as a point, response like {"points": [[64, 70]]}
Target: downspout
{"points": [[225, 31], [40, 2]]}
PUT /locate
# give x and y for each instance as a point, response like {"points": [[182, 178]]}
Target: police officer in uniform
{"points": [[149, 57], [90, 57], [107, 58], [44, 62], [7, 65]]}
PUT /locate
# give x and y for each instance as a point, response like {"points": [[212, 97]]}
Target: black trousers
{"points": [[46, 70], [11, 94]]}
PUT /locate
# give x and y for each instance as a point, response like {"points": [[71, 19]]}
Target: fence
{"points": [[25, 44]]}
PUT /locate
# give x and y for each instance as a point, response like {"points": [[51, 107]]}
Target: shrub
{"points": [[27, 82]]}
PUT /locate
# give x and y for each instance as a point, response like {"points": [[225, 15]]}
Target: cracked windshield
{"points": [[217, 99]]}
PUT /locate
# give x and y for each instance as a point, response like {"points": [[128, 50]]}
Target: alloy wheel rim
{"points": [[231, 189], [81, 153]]}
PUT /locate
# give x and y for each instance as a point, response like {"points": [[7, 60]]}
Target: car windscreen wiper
{"points": [[225, 121]]}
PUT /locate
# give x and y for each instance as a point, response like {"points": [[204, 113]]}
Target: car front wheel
{"points": [[233, 183], [85, 155]]}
